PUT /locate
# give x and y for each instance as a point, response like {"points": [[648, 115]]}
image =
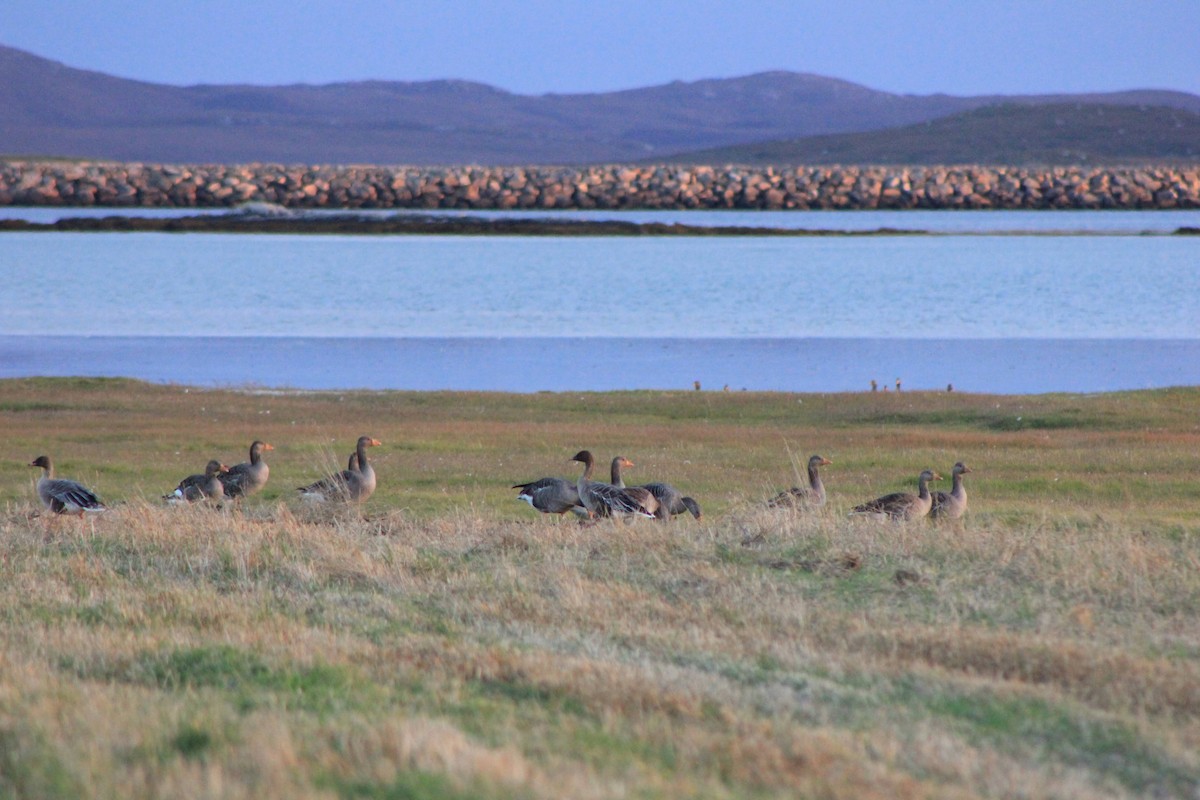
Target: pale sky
{"points": [[536, 46]]}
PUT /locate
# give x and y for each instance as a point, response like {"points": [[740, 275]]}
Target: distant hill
{"points": [[47, 108], [1023, 135]]}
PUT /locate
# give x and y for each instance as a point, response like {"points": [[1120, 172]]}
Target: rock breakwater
{"points": [[601, 187]]}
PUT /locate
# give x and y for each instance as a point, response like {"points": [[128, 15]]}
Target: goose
{"points": [[811, 496], [552, 496], [641, 495], [200, 487], [355, 483], [952, 504], [671, 501], [615, 471], [63, 496], [243, 480], [331, 485], [902, 505], [603, 499]]}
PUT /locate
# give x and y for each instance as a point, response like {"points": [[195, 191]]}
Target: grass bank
{"points": [[450, 643]]}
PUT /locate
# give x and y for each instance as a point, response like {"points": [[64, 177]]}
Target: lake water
{"points": [[1096, 310]]}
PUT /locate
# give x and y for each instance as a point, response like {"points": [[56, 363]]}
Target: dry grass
{"points": [[446, 642]]}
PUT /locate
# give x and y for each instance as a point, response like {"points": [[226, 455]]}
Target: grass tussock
{"points": [[444, 641]]}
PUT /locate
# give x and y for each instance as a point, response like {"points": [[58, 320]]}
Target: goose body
{"points": [[902, 506], [671, 501], [63, 496], [200, 487], [355, 483], [811, 496], [604, 499], [243, 480], [952, 504], [551, 496]]}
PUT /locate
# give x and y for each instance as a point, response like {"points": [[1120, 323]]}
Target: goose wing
{"points": [[63, 495], [895, 504], [794, 497], [189, 489], [244, 479], [337, 484], [550, 495], [608, 500]]}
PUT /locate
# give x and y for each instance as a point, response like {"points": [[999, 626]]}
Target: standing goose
{"points": [[615, 471], [603, 499], [811, 496], [639, 494], [552, 496], [355, 483], [952, 505], [902, 506], [243, 480], [671, 501], [198, 487], [63, 496]]}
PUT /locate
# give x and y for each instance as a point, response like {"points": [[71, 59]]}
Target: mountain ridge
{"points": [[55, 109]]}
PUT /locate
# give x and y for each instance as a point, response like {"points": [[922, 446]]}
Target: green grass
{"points": [[445, 641]]}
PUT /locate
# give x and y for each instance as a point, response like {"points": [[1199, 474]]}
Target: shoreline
{"points": [[531, 365], [402, 224]]}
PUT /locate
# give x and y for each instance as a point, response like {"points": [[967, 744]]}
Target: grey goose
{"points": [[356, 483], [604, 499], [952, 504], [902, 506], [63, 496], [248, 477], [811, 496], [194, 488]]}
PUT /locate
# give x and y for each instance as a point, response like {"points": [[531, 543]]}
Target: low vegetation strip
{"points": [[444, 640], [600, 187]]}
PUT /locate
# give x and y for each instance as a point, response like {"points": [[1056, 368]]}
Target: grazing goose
{"points": [[671, 501], [63, 496], [811, 496], [902, 505], [243, 480], [952, 505], [552, 496], [198, 487], [603, 499], [356, 483]]}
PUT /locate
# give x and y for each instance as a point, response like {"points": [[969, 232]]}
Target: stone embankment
{"points": [[646, 187]]}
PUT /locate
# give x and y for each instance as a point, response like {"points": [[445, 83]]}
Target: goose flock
{"points": [[585, 498], [218, 483]]}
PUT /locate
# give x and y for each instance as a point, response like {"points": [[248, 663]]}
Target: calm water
{"points": [[1008, 313]]}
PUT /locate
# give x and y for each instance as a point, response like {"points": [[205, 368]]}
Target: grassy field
{"points": [[449, 642]]}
